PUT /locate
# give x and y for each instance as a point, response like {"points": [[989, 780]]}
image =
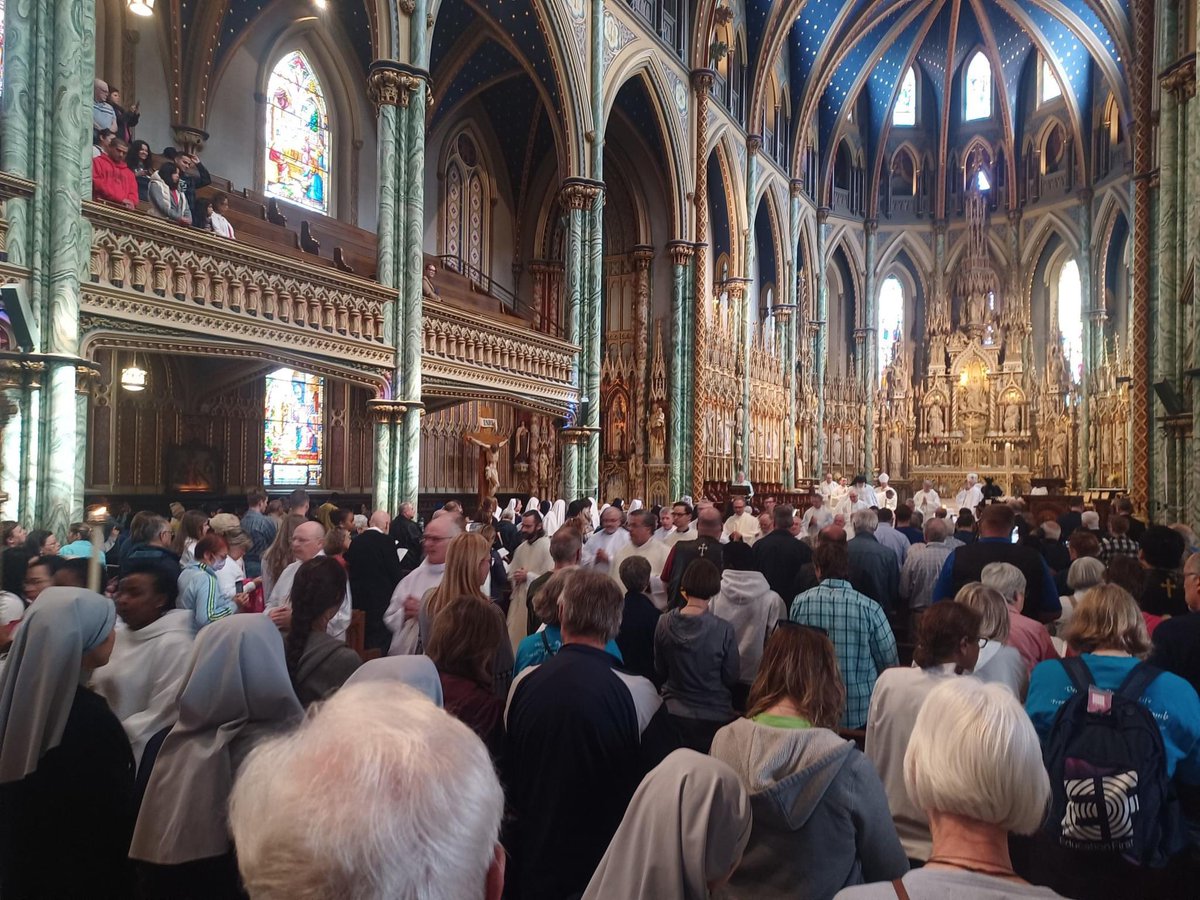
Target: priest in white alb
{"points": [[970, 496], [642, 543], [886, 495], [926, 501], [742, 523], [402, 611], [605, 543], [530, 559]]}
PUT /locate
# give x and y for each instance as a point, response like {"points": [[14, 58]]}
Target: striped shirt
{"points": [[200, 595], [1112, 547], [861, 635], [920, 572]]}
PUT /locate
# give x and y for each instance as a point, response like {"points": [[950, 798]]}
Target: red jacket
{"points": [[113, 181]]}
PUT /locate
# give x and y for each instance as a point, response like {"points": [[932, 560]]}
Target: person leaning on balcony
{"points": [[112, 180], [167, 200]]}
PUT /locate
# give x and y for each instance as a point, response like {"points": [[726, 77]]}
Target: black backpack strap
{"points": [[1078, 672], [546, 643], [1139, 678]]}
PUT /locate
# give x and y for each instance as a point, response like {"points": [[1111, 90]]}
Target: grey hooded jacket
{"points": [[821, 819]]}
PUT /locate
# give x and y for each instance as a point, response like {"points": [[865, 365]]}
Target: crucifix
{"points": [[488, 439]]}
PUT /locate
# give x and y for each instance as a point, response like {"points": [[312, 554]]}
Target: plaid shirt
{"points": [[1112, 547], [861, 636]]}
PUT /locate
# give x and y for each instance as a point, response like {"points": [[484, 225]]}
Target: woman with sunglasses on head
{"points": [[821, 819], [948, 645]]}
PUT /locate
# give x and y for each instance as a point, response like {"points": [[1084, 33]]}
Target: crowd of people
{"points": [[124, 171], [558, 700]]}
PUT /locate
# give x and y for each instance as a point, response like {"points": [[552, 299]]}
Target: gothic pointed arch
{"points": [[465, 207]]}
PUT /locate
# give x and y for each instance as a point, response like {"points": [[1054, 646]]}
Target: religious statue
{"points": [[851, 448], [521, 444], [1058, 454], [543, 462], [486, 441], [895, 454], [658, 434], [937, 421], [899, 367], [618, 426], [835, 453], [976, 308], [428, 291], [1012, 419], [1056, 369]]}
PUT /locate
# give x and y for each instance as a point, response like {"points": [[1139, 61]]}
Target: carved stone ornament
{"points": [[408, 7], [580, 193], [390, 86], [385, 412], [681, 252], [1181, 80], [702, 80]]}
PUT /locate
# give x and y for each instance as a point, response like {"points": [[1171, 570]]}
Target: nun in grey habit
{"points": [[66, 770], [236, 693], [682, 835]]}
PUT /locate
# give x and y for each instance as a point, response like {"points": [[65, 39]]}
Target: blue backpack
{"points": [[1108, 772]]}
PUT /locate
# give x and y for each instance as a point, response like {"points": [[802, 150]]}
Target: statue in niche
{"points": [[1058, 454], [1093, 473], [491, 467], [1056, 367], [658, 434], [895, 455], [899, 367], [836, 448], [851, 448], [977, 308], [521, 444], [937, 420], [1012, 418], [619, 425], [543, 462]]}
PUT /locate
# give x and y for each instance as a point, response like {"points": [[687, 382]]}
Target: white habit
{"points": [[927, 503], [968, 498], [422, 579], [535, 559], [611, 544], [746, 525], [281, 595]]}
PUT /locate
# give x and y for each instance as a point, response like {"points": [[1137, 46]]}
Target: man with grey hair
{"points": [[308, 542], [405, 603], [1026, 636], [581, 733], [406, 532], [1177, 639], [816, 517], [874, 568], [779, 556], [604, 544], [642, 543], [374, 569], [922, 567], [926, 501], [301, 833]]}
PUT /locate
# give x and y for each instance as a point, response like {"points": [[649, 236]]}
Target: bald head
{"points": [[438, 534], [708, 522], [307, 540], [380, 519]]}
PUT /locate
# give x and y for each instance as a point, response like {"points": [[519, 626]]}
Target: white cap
{"points": [[883, 477], [972, 477]]}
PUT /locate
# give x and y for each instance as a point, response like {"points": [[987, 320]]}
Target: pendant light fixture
{"points": [[134, 377], [140, 7]]}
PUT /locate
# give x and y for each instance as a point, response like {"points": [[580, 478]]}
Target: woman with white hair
{"points": [[997, 663], [974, 765], [682, 835], [1085, 573]]}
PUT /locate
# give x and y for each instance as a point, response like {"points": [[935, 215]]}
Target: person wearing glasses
{"points": [[1176, 645], [401, 615], [948, 645], [821, 819], [150, 539]]}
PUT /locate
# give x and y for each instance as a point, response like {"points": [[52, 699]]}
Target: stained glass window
{"points": [[1070, 317], [1050, 88], [891, 319], [294, 428], [298, 140], [905, 112], [978, 88]]}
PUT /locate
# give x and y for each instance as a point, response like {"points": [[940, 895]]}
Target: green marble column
{"points": [[412, 199], [821, 324], [1088, 303], [681, 257], [589, 475], [871, 343], [790, 336], [750, 292], [45, 136]]}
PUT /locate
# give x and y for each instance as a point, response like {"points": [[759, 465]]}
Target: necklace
{"points": [[974, 865]]}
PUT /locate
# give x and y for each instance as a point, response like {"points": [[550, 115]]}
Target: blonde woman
{"points": [[468, 561], [997, 663]]}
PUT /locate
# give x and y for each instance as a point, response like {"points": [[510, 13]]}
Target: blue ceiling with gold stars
{"points": [[350, 14]]}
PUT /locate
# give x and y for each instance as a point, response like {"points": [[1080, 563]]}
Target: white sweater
{"points": [[142, 678]]}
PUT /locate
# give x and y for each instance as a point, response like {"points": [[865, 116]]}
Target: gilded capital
{"points": [[1181, 80], [796, 186], [580, 193], [753, 143], [643, 255], [681, 252], [702, 80], [390, 85], [385, 412]]}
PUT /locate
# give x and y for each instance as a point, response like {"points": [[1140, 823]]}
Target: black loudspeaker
{"points": [[25, 327], [1170, 398]]}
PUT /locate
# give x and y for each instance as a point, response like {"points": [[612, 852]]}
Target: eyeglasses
{"points": [[433, 537], [788, 623]]}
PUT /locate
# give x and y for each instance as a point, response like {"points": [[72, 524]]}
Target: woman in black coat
{"points": [[66, 770]]}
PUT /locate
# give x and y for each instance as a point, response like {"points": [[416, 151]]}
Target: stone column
{"points": [[643, 259], [790, 328], [702, 82], [820, 323], [871, 343], [581, 320], [398, 94], [1141, 398], [750, 290], [679, 418], [45, 131], [1088, 303]]}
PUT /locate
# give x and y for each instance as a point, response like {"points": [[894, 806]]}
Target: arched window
{"points": [[297, 139], [294, 428], [891, 318], [1050, 89], [905, 112], [978, 88], [1070, 317], [467, 209]]}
